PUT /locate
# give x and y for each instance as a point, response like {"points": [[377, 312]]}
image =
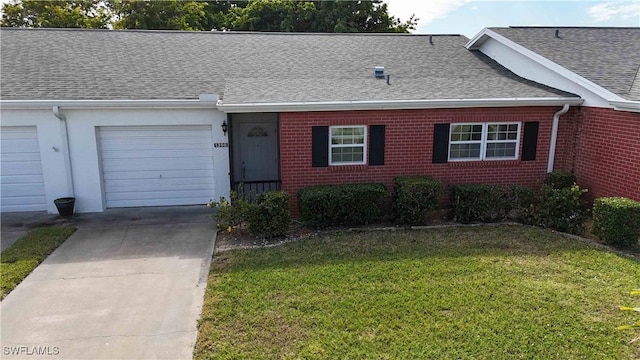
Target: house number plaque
{"points": [[219, 145]]}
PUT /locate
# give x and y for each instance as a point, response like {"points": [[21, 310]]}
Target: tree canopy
{"points": [[55, 14], [253, 15]]}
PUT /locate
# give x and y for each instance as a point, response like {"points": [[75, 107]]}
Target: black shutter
{"points": [[530, 141], [440, 143], [320, 146], [376, 145]]}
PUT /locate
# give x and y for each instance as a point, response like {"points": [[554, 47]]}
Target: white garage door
{"points": [[21, 181], [157, 165]]}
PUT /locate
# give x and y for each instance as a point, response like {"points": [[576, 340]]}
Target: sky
{"points": [[468, 17]]}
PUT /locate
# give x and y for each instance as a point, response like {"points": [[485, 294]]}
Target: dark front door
{"points": [[256, 162]]}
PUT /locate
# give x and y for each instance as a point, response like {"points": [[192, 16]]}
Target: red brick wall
{"points": [[605, 152], [408, 148]]}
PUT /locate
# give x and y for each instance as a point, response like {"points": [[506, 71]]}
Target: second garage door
{"points": [[21, 180], [157, 165]]}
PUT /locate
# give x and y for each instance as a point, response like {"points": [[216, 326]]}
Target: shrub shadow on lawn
{"points": [[455, 242]]}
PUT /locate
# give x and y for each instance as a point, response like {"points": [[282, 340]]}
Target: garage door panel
{"points": [[22, 179], [166, 174], [172, 153], [202, 195], [31, 200], [19, 157], [22, 183], [22, 189], [157, 202], [155, 144], [163, 182], [22, 168], [157, 165]]}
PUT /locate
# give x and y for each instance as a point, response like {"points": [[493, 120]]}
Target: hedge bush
{"points": [[414, 197], [560, 179], [521, 203], [269, 215], [349, 204], [478, 202], [616, 220], [562, 209]]}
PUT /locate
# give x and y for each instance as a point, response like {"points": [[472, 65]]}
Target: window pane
{"points": [[464, 151], [501, 150], [466, 133], [347, 154], [502, 132]]}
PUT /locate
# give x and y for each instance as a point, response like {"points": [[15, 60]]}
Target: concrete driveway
{"points": [[122, 287]]}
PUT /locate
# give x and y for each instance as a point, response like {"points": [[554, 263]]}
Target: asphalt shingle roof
{"points": [[66, 64], [609, 57]]}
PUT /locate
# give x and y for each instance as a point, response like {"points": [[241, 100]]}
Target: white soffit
{"points": [[476, 43]]}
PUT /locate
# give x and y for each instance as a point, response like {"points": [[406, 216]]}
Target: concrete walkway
{"points": [[128, 284]]}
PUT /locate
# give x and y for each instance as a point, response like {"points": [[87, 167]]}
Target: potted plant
{"points": [[65, 206]]}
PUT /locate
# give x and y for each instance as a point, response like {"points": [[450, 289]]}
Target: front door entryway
{"points": [[256, 160]]}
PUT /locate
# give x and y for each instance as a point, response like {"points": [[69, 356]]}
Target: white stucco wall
{"points": [[82, 127]]}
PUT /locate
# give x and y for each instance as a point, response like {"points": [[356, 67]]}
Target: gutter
{"points": [[632, 106], [554, 137], [202, 103], [67, 151], [393, 104]]}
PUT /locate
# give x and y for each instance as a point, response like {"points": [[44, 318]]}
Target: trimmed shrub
{"points": [[414, 197], [562, 209], [477, 202], [616, 220], [349, 204], [560, 179], [522, 201], [269, 215], [231, 213]]}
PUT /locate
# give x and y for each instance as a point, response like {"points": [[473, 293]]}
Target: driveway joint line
{"points": [[102, 336]]}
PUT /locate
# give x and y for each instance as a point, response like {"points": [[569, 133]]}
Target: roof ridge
{"points": [[272, 33], [566, 27]]}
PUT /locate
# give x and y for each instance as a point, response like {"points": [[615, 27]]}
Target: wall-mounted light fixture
{"points": [[224, 127]]}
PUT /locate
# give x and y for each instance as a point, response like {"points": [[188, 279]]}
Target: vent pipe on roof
{"points": [[388, 78], [558, 33], [431, 39]]}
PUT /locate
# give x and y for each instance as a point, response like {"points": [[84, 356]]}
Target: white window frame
{"points": [[332, 146], [484, 141]]}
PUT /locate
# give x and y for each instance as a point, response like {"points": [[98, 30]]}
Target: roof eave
{"points": [[393, 104], [205, 101]]}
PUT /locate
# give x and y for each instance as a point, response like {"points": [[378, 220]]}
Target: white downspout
{"points": [[554, 137], [67, 152]]}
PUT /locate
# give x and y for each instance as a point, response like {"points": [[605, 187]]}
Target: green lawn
{"points": [[19, 259], [467, 292]]}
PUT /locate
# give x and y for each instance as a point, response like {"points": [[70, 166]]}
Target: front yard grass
{"points": [[18, 260], [465, 292]]}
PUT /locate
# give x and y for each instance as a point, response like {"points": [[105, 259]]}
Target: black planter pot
{"points": [[65, 206]]}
